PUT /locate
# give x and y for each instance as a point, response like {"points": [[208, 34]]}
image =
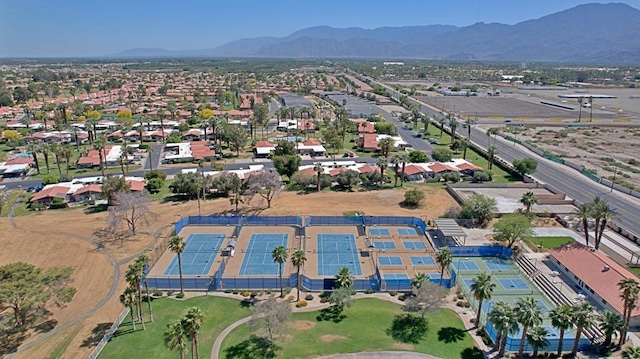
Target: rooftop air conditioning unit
{"points": [[606, 268]]}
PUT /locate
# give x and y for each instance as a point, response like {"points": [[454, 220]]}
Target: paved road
{"points": [[409, 136], [561, 177]]}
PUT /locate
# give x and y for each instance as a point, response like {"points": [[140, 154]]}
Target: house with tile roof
{"points": [[595, 274]]}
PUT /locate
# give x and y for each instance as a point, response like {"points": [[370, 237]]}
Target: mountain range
{"points": [[590, 33]]}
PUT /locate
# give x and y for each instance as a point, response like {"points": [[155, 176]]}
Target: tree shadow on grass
{"points": [[471, 353], [450, 335], [331, 314], [46, 326], [96, 209], [407, 328], [247, 303], [252, 348], [96, 335]]}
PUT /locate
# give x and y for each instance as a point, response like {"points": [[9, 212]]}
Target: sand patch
{"points": [[403, 346], [302, 325], [332, 338]]}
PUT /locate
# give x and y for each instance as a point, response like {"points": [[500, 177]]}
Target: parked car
{"points": [[433, 141]]}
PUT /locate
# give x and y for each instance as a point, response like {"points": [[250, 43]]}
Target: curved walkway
{"points": [[114, 283]]}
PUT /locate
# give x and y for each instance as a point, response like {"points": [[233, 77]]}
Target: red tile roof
{"points": [[90, 188], [136, 186], [366, 127], [411, 170], [469, 166], [20, 161], [55, 191], [309, 171], [590, 268], [370, 140], [264, 144], [440, 167], [367, 169]]}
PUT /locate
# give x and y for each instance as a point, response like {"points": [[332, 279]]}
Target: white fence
{"points": [[107, 336]]}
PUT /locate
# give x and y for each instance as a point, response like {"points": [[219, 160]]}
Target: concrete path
{"points": [[381, 355]]}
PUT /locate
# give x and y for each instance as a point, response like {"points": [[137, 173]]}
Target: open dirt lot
{"points": [[483, 106], [51, 238], [598, 149]]}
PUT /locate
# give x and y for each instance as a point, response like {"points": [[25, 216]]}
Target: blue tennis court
{"points": [[422, 261], [395, 276], [384, 245], [497, 264], [414, 245], [198, 255], [257, 259], [465, 265], [336, 251], [434, 276], [407, 232], [390, 261], [513, 283], [543, 306], [379, 232]]}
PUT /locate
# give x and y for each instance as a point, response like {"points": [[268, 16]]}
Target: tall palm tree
{"points": [[504, 321], [537, 338], [482, 288], [344, 278], [133, 275], [444, 259], [605, 213], [33, 149], [629, 289], [528, 199], [57, 153], [631, 353], [584, 213], [279, 255], [128, 300], [175, 338], [298, 259], [319, 171], [382, 164], [419, 280], [491, 152], [610, 323], [45, 149], [561, 318], [401, 158], [143, 261], [442, 121], [529, 315], [465, 144], [176, 245], [99, 145], [192, 322], [583, 317], [453, 124], [597, 206]]}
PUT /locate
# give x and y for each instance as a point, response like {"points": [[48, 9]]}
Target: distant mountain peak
{"points": [[606, 33]]}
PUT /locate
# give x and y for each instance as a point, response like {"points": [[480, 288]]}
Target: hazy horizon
{"points": [[74, 28]]}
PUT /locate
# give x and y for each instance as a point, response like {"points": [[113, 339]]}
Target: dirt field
{"points": [[598, 149], [51, 239]]}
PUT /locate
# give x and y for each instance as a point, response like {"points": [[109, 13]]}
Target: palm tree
{"points": [[279, 255], [192, 322], [45, 148], [344, 278], [631, 353], [401, 158], [175, 338], [529, 315], [176, 245], [319, 171], [465, 144], [582, 318], [610, 323], [419, 280], [298, 259], [453, 124], [133, 276], [504, 321], [34, 149], [584, 212], [442, 121], [143, 261], [561, 318], [382, 164], [528, 200], [386, 145], [537, 338], [128, 299], [629, 289], [491, 152], [482, 288], [597, 206], [605, 213], [99, 145], [57, 153], [444, 259]]}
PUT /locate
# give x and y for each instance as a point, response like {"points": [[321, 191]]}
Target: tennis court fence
{"points": [[481, 251], [365, 220]]}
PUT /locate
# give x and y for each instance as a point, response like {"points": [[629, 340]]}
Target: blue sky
{"points": [[51, 28]]}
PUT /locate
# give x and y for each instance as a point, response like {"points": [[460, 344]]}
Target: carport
{"points": [[449, 228]]}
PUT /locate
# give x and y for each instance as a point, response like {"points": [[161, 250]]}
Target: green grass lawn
{"points": [[219, 314], [164, 192], [364, 329], [548, 242]]}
